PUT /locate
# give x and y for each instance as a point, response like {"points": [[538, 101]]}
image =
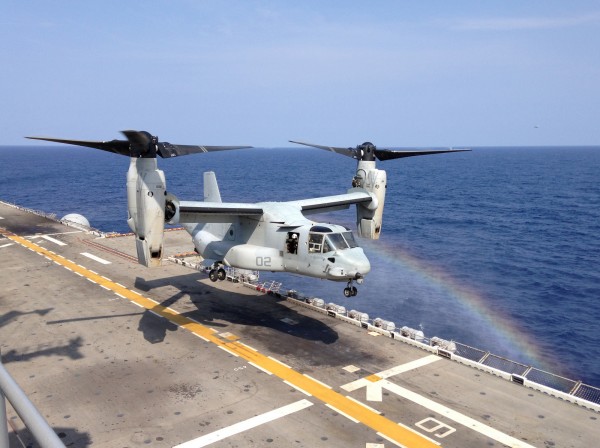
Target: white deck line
{"points": [[54, 240], [333, 408], [95, 258], [297, 388], [260, 368], [245, 425], [6, 245]]}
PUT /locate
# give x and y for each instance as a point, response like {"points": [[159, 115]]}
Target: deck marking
{"points": [[297, 388], [402, 368], [6, 245], [228, 350], [374, 392], [383, 436], [409, 366], [201, 337], [455, 416], [53, 240], [259, 368], [362, 404], [95, 258], [380, 424], [246, 425], [279, 362], [317, 381], [229, 336], [447, 430], [247, 346], [417, 432], [334, 409]]}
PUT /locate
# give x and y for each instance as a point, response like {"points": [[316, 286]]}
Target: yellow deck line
{"points": [[378, 423]]}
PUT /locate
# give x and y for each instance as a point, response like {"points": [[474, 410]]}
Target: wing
{"points": [[333, 203], [219, 212], [223, 212]]}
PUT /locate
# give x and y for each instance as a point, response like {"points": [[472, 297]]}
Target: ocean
{"points": [[497, 248]]}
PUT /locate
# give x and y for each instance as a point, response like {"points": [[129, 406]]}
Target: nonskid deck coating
{"points": [[109, 373]]}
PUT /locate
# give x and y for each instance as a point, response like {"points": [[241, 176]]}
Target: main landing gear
{"points": [[217, 273]]}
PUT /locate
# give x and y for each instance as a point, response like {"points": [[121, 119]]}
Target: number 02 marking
{"points": [[263, 261]]}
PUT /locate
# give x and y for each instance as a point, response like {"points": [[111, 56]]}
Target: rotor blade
{"points": [[166, 149], [116, 146], [389, 154], [141, 144], [350, 152]]}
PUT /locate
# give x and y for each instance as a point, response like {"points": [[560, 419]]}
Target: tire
{"points": [[221, 274], [213, 275]]}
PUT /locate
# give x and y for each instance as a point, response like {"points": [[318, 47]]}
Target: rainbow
{"points": [[501, 329]]}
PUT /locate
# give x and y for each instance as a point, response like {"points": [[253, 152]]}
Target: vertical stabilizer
{"points": [[211, 188]]}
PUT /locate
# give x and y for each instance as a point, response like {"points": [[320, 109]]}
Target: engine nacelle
{"points": [[369, 217], [146, 190]]}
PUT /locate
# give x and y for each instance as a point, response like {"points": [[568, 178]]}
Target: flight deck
{"points": [[114, 354]]}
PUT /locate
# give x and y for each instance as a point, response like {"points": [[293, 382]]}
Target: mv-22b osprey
{"points": [[264, 236]]}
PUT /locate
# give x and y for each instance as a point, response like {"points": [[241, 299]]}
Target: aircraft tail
{"points": [[211, 188]]}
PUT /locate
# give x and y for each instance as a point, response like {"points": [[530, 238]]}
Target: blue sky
{"points": [[397, 73]]}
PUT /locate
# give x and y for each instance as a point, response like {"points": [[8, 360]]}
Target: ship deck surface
{"points": [[114, 354]]}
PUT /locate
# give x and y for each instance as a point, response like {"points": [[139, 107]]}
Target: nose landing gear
{"points": [[350, 290]]}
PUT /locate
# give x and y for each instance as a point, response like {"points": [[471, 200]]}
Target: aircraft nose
{"points": [[360, 263], [364, 266]]}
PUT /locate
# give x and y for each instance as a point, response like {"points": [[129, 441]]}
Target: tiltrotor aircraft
{"points": [[264, 236]]}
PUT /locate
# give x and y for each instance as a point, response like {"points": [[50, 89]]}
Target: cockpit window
{"points": [[349, 237], [315, 242], [337, 241]]}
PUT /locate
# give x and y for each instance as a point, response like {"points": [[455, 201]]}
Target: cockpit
{"points": [[322, 239]]}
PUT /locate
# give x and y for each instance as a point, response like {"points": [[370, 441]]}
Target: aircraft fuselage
{"points": [[276, 243]]}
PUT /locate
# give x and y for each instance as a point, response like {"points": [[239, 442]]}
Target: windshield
{"points": [[317, 242], [350, 239], [337, 241]]}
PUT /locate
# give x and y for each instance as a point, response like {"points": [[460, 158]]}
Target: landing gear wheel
{"points": [[221, 274], [354, 290], [348, 292], [213, 275]]}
